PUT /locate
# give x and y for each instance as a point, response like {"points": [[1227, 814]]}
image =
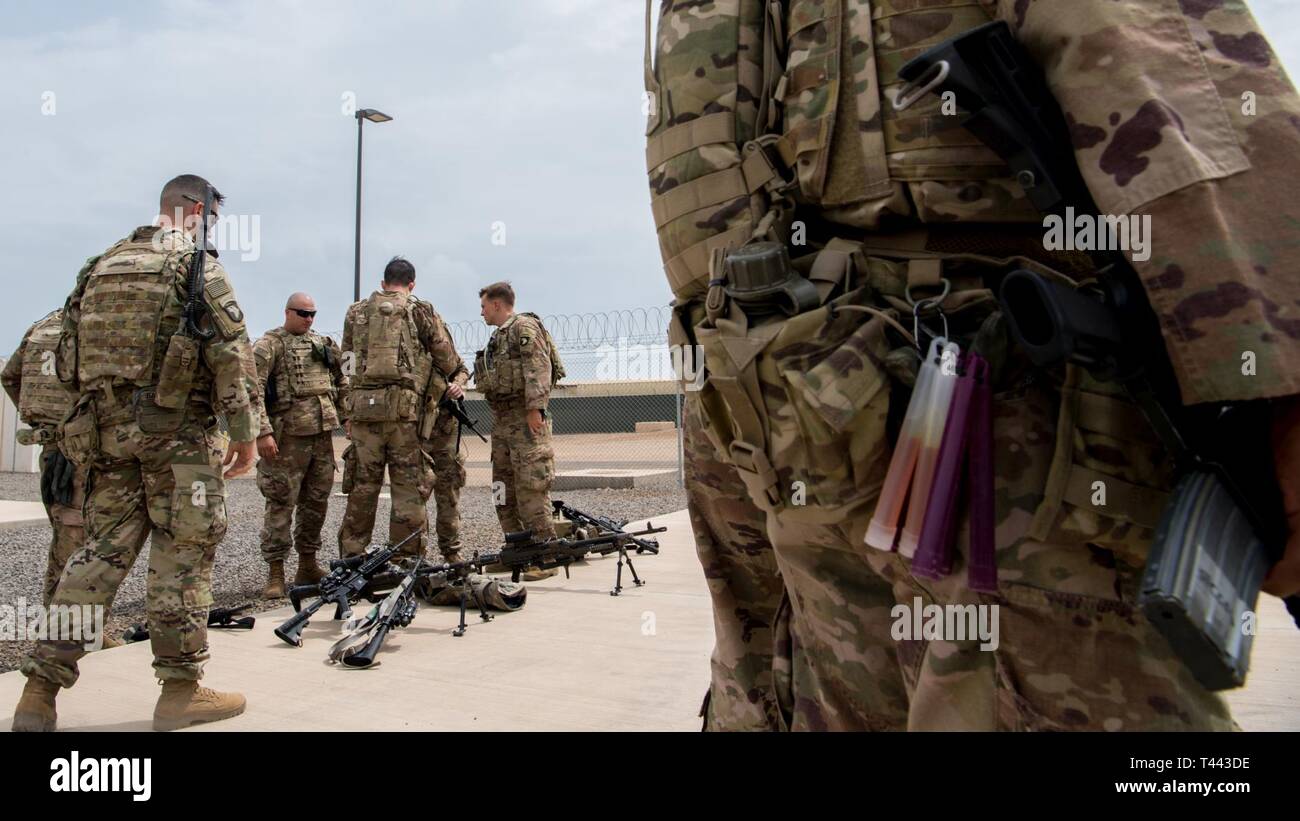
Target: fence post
{"points": [[681, 437]]}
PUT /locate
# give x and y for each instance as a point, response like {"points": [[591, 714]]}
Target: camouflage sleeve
{"points": [[536, 364], [264, 357], [438, 342], [1183, 113], [230, 356], [342, 385], [65, 362], [12, 376]]}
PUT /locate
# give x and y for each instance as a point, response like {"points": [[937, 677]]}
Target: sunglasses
{"points": [[304, 314]]}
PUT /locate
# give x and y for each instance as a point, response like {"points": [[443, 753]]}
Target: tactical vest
{"points": [[754, 112], [770, 120], [301, 366], [43, 399], [392, 367], [498, 369], [129, 311]]}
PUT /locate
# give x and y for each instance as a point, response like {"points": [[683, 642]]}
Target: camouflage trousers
{"points": [[395, 445], [301, 477], [448, 479], [1072, 649], [523, 470], [740, 566], [68, 526], [166, 488]]}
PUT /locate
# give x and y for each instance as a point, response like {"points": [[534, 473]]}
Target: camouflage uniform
{"points": [[801, 410], [398, 345], [42, 400], [302, 420], [514, 374], [155, 471]]}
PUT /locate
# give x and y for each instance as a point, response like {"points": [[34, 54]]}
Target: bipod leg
{"points": [[618, 579], [460, 629], [482, 609]]}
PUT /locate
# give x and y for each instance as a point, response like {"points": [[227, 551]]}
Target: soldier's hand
{"points": [[1284, 579], [267, 447], [455, 391], [535, 421], [241, 453]]}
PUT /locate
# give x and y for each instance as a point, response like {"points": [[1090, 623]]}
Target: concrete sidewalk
{"points": [[21, 514], [574, 658]]}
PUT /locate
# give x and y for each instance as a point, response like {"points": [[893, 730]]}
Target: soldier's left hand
{"points": [[455, 391], [241, 453], [535, 421], [1284, 579]]}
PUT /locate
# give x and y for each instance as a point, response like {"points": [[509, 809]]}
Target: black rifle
{"points": [[363, 642], [1226, 512], [347, 578], [602, 523], [371, 576], [195, 307], [456, 407], [223, 618]]}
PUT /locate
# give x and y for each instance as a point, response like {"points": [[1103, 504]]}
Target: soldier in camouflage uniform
{"points": [[30, 379], [145, 423], [1180, 111], [393, 344], [300, 376], [514, 374]]}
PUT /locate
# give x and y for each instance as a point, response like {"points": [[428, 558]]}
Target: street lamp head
{"points": [[373, 116]]}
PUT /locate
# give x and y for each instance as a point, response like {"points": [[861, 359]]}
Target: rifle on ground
{"points": [[1224, 525], [366, 636], [603, 523], [372, 575], [347, 578], [218, 617]]}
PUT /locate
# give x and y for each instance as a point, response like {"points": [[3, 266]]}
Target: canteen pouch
{"points": [[154, 419], [372, 405], [79, 435], [177, 377]]}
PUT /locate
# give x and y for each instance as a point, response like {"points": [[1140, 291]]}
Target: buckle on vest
{"points": [[756, 472], [35, 436], [768, 164]]}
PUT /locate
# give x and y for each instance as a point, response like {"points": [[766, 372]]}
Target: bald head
{"points": [[294, 309]]}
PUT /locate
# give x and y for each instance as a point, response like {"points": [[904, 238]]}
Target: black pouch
{"points": [[177, 376], [154, 419]]}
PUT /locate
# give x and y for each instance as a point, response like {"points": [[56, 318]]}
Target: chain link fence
{"points": [[616, 415]]}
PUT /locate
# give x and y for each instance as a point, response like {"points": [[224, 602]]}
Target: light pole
{"points": [[375, 117]]}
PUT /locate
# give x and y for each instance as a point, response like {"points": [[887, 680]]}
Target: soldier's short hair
{"points": [[399, 271], [499, 290], [174, 193]]}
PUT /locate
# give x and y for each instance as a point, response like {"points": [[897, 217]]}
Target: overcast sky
{"points": [[521, 112]]}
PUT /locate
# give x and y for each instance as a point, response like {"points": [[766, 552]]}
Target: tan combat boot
{"points": [[110, 641], [183, 702], [308, 571], [274, 582], [35, 711], [533, 574]]}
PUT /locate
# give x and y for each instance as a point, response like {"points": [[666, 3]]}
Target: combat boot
{"points": [[183, 702], [274, 582], [110, 642], [309, 572], [35, 710], [534, 574]]}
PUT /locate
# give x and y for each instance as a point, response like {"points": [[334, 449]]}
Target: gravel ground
{"points": [[240, 571]]}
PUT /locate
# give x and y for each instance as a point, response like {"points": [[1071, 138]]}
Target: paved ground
{"points": [[574, 658], [240, 571]]}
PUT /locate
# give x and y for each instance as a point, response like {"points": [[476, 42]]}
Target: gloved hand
{"points": [[62, 472]]}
